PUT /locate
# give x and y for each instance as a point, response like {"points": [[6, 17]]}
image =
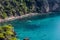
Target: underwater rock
{"points": [[29, 21], [26, 39], [32, 26]]}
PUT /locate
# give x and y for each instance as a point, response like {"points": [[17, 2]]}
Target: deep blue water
{"points": [[38, 29]]}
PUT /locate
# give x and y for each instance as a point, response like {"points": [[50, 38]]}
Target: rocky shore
{"points": [[18, 17], [29, 15]]}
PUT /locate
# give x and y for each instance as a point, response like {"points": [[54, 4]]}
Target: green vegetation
{"points": [[16, 7], [7, 33]]}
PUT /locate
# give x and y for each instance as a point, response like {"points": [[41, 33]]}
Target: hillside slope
{"points": [[20, 7]]}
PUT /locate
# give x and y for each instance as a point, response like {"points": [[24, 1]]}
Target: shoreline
{"points": [[18, 17], [22, 16]]}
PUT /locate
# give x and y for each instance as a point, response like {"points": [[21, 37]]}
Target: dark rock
{"points": [[26, 39]]}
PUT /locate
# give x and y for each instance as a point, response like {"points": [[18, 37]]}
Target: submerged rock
{"points": [[32, 26], [26, 39]]}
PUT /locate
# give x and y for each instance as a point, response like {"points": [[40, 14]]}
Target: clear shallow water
{"points": [[39, 29]]}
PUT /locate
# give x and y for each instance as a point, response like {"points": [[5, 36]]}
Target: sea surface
{"points": [[37, 28]]}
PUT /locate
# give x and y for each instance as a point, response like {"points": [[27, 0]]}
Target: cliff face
{"points": [[20, 7], [50, 5], [54, 5]]}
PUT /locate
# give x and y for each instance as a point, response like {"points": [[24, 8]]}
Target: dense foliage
{"points": [[7, 33], [15, 7], [20, 7]]}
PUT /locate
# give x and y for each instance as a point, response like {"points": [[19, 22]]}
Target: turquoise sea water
{"points": [[38, 29]]}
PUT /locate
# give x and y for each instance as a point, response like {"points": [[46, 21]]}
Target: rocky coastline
{"points": [[21, 17]]}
